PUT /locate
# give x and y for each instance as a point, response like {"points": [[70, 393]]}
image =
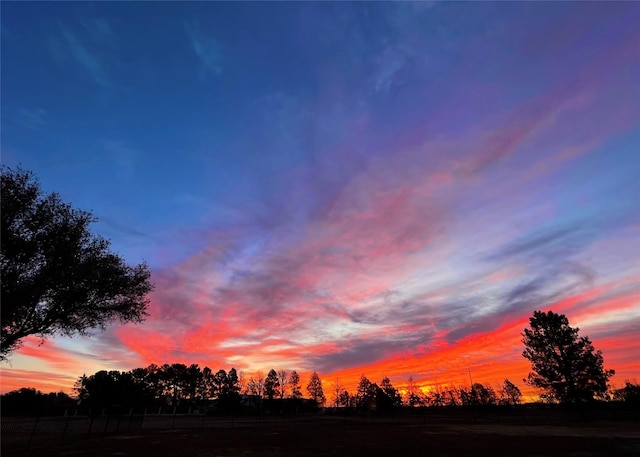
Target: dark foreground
{"points": [[338, 436]]}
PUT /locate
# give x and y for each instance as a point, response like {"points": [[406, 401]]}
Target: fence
{"points": [[32, 431]]}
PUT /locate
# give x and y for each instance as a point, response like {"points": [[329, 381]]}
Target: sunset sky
{"points": [[377, 188]]}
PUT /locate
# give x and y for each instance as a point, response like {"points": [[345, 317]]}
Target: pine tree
{"points": [[566, 366], [314, 388]]}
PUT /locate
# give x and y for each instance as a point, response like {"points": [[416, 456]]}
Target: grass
{"points": [[333, 436]]}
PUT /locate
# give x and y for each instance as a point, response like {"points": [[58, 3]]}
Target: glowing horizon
{"points": [[378, 189]]}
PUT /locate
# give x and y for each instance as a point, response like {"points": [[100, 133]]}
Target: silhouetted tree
{"points": [[95, 389], [365, 393], [294, 385], [271, 384], [346, 399], [233, 382], [32, 402], [58, 277], [483, 395], [337, 390], [314, 388], [565, 366], [510, 393], [193, 378], [451, 396], [141, 376], [283, 376], [466, 396], [413, 396], [435, 397], [219, 384], [630, 394], [260, 383], [242, 381], [229, 391], [206, 385], [154, 380], [106, 389], [383, 402], [391, 392], [177, 381], [175, 384], [252, 387]]}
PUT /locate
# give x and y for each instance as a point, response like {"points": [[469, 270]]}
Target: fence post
{"points": [[33, 431], [173, 422], [106, 425], [91, 419], [66, 425], [130, 419]]}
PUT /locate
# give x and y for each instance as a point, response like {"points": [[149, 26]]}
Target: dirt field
{"points": [[336, 436]]}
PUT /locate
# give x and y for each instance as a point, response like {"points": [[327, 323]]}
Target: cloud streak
{"points": [[91, 61], [207, 48]]}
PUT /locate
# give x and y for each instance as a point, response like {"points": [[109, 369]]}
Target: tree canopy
{"points": [[314, 388], [510, 393], [57, 276], [271, 384], [294, 384], [566, 366]]}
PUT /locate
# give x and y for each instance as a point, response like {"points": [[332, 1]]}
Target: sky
{"points": [[388, 189]]}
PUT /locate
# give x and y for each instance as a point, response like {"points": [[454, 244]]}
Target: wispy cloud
{"points": [[33, 118], [389, 65], [123, 156], [90, 60], [207, 48], [100, 31]]}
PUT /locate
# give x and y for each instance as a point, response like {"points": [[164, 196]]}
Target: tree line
{"points": [[189, 387], [184, 388]]}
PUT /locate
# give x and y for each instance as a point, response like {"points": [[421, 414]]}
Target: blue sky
{"points": [[347, 187]]}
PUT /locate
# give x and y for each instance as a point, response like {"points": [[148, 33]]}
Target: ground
{"points": [[324, 435]]}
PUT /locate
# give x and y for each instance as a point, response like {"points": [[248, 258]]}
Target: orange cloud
{"points": [[44, 381]]}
